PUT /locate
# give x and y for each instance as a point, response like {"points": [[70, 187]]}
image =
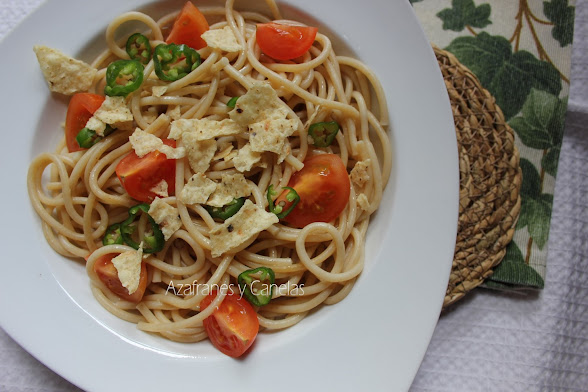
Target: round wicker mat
{"points": [[490, 179]]}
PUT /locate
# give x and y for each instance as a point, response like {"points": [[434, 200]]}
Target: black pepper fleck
{"points": [[230, 228], [239, 110]]}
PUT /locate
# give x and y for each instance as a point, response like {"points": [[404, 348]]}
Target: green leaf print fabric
{"points": [[464, 13], [520, 50], [508, 76]]}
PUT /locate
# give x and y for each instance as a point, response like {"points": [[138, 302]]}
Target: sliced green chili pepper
{"points": [[112, 235], [153, 242], [226, 211], [86, 138], [123, 77], [138, 48], [232, 102], [257, 285], [291, 197], [323, 133], [173, 62]]}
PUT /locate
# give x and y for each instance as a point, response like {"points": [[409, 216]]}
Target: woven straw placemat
{"points": [[490, 179]]}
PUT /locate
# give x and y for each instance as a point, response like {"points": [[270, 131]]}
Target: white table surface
{"points": [[489, 341]]}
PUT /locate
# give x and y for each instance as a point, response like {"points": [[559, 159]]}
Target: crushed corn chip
{"points": [[259, 103], [166, 216], [200, 152], [128, 267], [205, 129], [246, 158], [143, 143], [197, 189], [160, 189], [158, 91], [360, 173], [265, 115], [175, 113], [113, 111], [96, 125], [64, 74], [232, 186], [223, 39], [249, 221], [363, 202], [271, 134]]}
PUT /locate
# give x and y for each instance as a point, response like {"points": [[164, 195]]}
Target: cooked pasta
{"points": [[78, 196]]}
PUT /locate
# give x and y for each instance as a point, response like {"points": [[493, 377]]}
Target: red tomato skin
{"points": [[323, 186], [139, 175], [284, 42], [233, 326], [80, 109], [107, 273], [188, 27]]}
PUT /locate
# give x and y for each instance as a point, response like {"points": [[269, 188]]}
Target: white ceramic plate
{"points": [[374, 339]]}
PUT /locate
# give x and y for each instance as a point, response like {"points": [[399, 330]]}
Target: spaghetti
{"points": [[78, 195]]}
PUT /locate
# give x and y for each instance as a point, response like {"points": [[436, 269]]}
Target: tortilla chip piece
{"points": [[271, 134], [158, 91], [166, 216], [128, 268], [232, 186], [259, 103], [175, 113], [360, 173], [113, 111], [200, 152], [249, 221], [64, 74], [246, 158], [197, 189], [143, 143], [204, 129], [223, 39], [363, 202], [160, 189]]}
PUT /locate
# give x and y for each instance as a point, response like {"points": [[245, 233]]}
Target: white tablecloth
{"points": [[489, 341]]}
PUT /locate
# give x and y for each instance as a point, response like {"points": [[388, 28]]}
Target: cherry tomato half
{"points": [[188, 27], [233, 326], [284, 42], [139, 175], [108, 275], [323, 186], [80, 109]]}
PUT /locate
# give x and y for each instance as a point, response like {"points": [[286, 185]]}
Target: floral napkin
{"points": [[520, 50]]}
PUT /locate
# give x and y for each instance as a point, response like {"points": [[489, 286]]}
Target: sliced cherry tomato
{"points": [[233, 326], [139, 175], [284, 42], [108, 274], [188, 27], [81, 108], [323, 186]]}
